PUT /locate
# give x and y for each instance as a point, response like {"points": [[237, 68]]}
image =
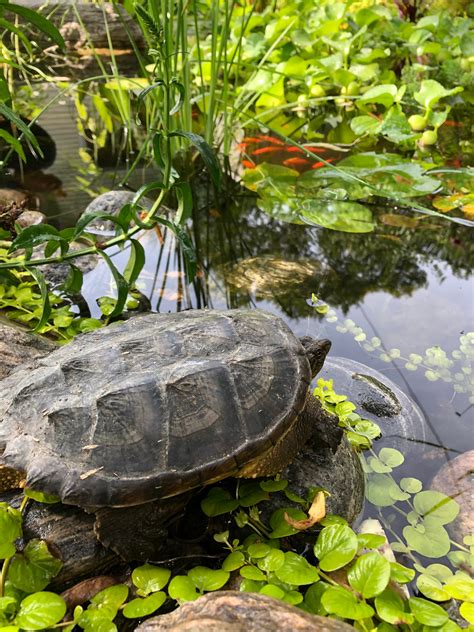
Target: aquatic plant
{"points": [[455, 368]]}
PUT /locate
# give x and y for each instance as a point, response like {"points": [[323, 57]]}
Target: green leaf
{"points": [[46, 307], [35, 235], [182, 588], [19, 123], [272, 562], [411, 485], [432, 588], [466, 610], [253, 573], [274, 485], [280, 527], [272, 591], [258, 550], [382, 490], [401, 574], [428, 539], [111, 597], [436, 505], [391, 457], [383, 94], [233, 561], [296, 570], [369, 575], [35, 18], [208, 155], [120, 282], [427, 612], [217, 502], [74, 279], [41, 497], [370, 540], [207, 579], [33, 568], [14, 143], [339, 601], [365, 125], [148, 578], [10, 529], [90, 216], [391, 608], [431, 92], [135, 262], [335, 547], [185, 202], [146, 91], [143, 607], [40, 611]]}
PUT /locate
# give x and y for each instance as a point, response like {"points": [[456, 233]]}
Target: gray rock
{"points": [[233, 611], [455, 479], [379, 399], [340, 473], [18, 346], [31, 218], [110, 203]]}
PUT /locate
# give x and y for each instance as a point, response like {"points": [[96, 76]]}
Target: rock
{"points": [[13, 196], [379, 399], [110, 202], [339, 473], [18, 346], [31, 218], [455, 479], [232, 611]]}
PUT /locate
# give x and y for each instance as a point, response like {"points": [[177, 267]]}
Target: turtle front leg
{"points": [[313, 425]]}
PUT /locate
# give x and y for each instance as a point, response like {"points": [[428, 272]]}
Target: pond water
{"points": [[410, 285]]}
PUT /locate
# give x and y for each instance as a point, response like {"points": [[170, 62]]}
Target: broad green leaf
{"points": [[143, 607], [207, 579], [74, 279], [432, 588], [431, 92], [274, 485], [460, 586], [383, 94], [296, 570], [401, 574], [41, 497], [391, 457], [258, 550], [391, 608], [428, 539], [365, 125], [436, 505], [233, 561], [112, 597], [369, 575], [411, 485], [272, 591], [217, 502], [427, 612], [35, 235], [466, 610], [182, 588], [339, 601], [370, 540], [33, 568], [335, 547], [272, 561], [40, 611], [280, 527], [253, 573], [10, 528], [148, 578]]}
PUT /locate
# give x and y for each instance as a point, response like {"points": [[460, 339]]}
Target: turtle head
{"points": [[316, 352]]}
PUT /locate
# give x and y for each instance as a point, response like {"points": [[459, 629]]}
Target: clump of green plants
{"points": [[337, 573], [454, 368]]}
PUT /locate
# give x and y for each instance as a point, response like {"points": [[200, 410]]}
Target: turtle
{"points": [[150, 408]]}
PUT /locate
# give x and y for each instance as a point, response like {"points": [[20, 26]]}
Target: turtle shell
{"points": [[154, 406]]}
